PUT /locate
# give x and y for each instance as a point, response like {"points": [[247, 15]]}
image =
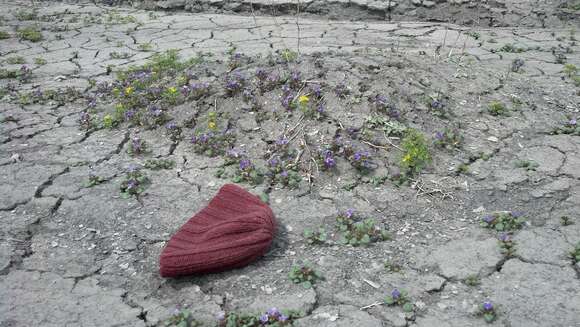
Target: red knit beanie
{"points": [[235, 229]]}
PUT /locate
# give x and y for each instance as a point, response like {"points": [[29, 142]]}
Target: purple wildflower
{"points": [[349, 212], [132, 184], [129, 114], [283, 318], [396, 294], [171, 125], [273, 312], [264, 318], [282, 141], [320, 108], [316, 90], [245, 164], [436, 104], [487, 306], [504, 237], [273, 162], [439, 136], [488, 219], [572, 122], [221, 316], [284, 174]]}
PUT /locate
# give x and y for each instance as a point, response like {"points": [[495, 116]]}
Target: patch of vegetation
{"points": [[389, 127], [571, 127], [511, 48], [273, 317], [496, 108], [566, 221], [448, 138], [506, 245], [472, 280], [399, 298], [31, 34], [416, 154], [17, 60], [137, 146], [134, 184], [4, 35], [23, 15], [316, 237], [575, 254], [159, 164], [503, 221], [304, 275], [392, 266], [527, 164], [94, 180], [487, 311], [182, 318], [357, 231], [40, 61]]}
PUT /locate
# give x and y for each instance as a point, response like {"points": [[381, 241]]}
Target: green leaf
{"points": [[389, 300], [500, 227], [489, 317], [307, 284], [408, 307]]}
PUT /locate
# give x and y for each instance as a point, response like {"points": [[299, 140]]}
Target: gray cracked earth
{"points": [[77, 256]]}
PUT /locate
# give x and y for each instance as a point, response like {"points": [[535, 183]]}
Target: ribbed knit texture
{"points": [[235, 229]]}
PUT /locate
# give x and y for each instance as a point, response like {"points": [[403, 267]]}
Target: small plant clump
{"points": [[273, 317], [575, 254], [487, 311], [570, 127], [566, 221], [316, 237], [137, 146], [506, 245], [356, 231], [472, 280], [31, 34], [212, 143], [527, 164], [182, 318], [496, 108], [247, 172], [503, 221], [94, 180], [399, 298], [4, 35], [416, 153], [134, 184], [304, 275], [392, 266], [448, 139], [159, 164]]}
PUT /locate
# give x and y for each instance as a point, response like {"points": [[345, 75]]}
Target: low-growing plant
{"points": [[570, 70], [571, 127], [393, 266], [506, 245], [247, 172], [487, 311], [23, 15], [448, 138], [503, 221], [566, 221], [389, 127], [31, 34], [383, 105], [362, 161], [288, 55], [212, 144], [273, 317], [182, 318], [4, 35], [94, 180], [158, 164], [17, 60], [496, 108], [135, 182], [40, 61], [527, 164], [472, 280], [399, 298], [357, 231], [304, 275], [416, 154], [316, 237], [137, 146], [575, 254]]}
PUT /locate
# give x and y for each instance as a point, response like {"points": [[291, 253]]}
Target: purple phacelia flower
{"points": [[220, 316], [436, 104], [129, 114], [132, 184], [489, 219], [349, 212], [439, 136], [282, 141], [320, 108], [504, 237], [273, 312], [284, 174], [282, 318], [487, 306], [316, 90], [245, 164], [572, 122], [264, 318], [396, 294]]}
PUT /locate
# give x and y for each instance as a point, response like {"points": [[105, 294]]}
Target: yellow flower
{"points": [[212, 125], [172, 90], [129, 90], [407, 157], [303, 99]]}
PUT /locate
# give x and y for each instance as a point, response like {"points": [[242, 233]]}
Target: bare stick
{"points": [[371, 305]]}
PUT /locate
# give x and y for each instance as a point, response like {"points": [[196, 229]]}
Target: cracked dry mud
{"points": [[77, 256]]}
